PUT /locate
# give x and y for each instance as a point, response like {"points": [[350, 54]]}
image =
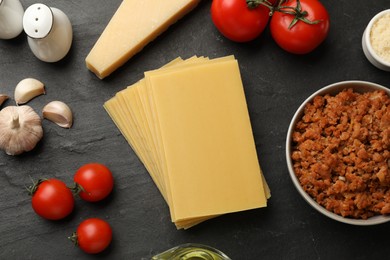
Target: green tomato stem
{"points": [[252, 4], [33, 188], [76, 189], [296, 11], [74, 239]]}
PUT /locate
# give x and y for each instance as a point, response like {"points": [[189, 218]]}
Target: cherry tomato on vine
{"points": [[94, 182], [236, 21], [301, 37], [51, 199], [93, 235]]}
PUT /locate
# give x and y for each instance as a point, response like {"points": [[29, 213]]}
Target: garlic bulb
{"points": [[20, 129], [28, 89], [59, 113], [3, 98]]}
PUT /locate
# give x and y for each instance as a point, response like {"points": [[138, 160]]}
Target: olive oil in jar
{"points": [[191, 252]]}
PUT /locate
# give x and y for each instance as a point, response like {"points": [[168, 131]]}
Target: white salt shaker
{"points": [[49, 32], [11, 17]]}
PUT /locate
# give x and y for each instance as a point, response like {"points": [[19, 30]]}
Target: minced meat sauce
{"points": [[341, 153]]}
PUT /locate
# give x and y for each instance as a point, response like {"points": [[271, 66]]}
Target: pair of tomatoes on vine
{"points": [[53, 200], [297, 26]]}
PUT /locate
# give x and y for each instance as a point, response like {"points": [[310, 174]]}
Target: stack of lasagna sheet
{"points": [[188, 123]]}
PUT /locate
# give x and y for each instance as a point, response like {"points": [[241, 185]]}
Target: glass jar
{"points": [[191, 252]]}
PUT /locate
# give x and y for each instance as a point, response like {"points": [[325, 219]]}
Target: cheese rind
{"points": [[132, 27]]}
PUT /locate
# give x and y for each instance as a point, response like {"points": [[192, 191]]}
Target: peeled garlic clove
{"points": [[59, 113], [3, 98], [28, 89], [20, 129]]}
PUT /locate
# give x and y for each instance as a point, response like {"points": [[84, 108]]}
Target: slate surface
{"points": [[275, 84]]}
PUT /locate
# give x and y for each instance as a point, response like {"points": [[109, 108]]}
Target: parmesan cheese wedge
{"points": [[133, 26]]}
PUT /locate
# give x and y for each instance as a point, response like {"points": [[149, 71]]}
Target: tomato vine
{"points": [[297, 12]]}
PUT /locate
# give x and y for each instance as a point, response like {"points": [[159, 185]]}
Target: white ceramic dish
{"points": [[358, 86], [368, 50]]}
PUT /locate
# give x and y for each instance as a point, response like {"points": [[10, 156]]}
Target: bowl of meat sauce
{"points": [[338, 152]]}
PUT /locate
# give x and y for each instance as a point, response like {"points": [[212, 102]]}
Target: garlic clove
{"points": [[28, 89], [20, 129], [59, 113], [3, 98]]}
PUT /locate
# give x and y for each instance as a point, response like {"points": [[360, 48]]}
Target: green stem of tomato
{"points": [[74, 239], [296, 11], [33, 188], [252, 4], [76, 189]]}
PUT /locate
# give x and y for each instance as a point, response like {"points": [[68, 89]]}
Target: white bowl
{"points": [[368, 50], [358, 86]]}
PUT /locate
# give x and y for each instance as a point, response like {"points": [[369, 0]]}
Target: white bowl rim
{"points": [[367, 40], [332, 88]]}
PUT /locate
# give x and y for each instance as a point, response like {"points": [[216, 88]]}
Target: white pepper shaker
{"points": [[11, 17], [49, 32]]}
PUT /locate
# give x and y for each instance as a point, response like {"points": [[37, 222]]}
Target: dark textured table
{"points": [[275, 84]]}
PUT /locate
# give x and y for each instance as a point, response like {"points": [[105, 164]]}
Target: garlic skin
{"points": [[20, 129], [28, 89], [59, 113], [3, 98]]}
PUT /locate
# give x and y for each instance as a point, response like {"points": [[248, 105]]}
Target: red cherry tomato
{"points": [[236, 21], [302, 37], [96, 181], [52, 199], [93, 235]]}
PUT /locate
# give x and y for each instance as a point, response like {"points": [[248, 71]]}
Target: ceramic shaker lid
{"points": [[38, 21]]}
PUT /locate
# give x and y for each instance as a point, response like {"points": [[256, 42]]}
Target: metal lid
{"points": [[38, 21]]}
